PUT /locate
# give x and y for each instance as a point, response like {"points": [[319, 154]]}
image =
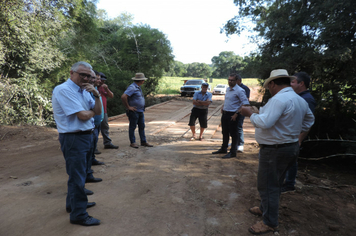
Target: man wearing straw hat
{"points": [[134, 102], [278, 126]]}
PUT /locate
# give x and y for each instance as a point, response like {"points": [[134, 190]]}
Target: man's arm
{"points": [[109, 93], [86, 115], [201, 103], [124, 99], [302, 136]]}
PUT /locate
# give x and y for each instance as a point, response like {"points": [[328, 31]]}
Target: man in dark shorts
{"points": [[201, 102]]}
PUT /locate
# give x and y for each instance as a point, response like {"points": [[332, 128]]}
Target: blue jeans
{"points": [[95, 143], [240, 132], [229, 128], [291, 175], [77, 151], [136, 119], [272, 167]]}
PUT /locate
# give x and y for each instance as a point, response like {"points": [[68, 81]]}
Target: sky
{"points": [[192, 26]]}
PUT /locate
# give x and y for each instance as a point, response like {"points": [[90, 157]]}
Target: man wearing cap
{"points": [[235, 98], [134, 102], [201, 102], [105, 92], [240, 118], [73, 110], [300, 85], [278, 126]]}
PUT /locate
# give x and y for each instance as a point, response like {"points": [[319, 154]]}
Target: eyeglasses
{"points": [[83, 75], [231, 80]]}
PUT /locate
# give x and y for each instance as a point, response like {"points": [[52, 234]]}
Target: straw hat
{"points": [[275, 74], [139, 76]]}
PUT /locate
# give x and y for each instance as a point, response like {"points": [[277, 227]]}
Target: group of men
{"points": [[79, 107], [281, 126], [80, 111], [236, 95]]}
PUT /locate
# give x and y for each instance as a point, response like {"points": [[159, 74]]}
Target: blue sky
{"points": [[192, 26]]}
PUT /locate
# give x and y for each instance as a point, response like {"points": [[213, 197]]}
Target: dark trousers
{"points": [[105, 130], [229, 128], [136, 119], [95, 143], [272, 167], [240, 132], [77, 151]]}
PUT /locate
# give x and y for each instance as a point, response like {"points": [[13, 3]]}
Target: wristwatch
{"points": [[97, 96]]}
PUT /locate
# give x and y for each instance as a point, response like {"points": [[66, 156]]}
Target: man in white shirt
{"points": [[278, 126]]}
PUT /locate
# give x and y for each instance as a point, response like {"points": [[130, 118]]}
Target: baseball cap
{"points": [[205, 84], [102, 75]]}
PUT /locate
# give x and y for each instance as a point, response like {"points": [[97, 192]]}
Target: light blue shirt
{"points": [[282, 119], [199, 96], [98, 118], [135, 98], [68, 99], [234, 98]]}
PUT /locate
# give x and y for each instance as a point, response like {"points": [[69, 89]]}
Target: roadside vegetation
{"points": [[40, 40], [171, 85]]}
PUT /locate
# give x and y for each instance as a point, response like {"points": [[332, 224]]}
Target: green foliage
{"points": [[171, 85], [317, 37], [177, 68], [226, 63], [28, 53], [197, 69], [24, 102]]}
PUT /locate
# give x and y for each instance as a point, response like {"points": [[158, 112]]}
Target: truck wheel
{"points": [[182, 94]]}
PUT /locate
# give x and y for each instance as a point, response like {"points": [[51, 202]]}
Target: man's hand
{"points": [[132, 109], [90, 88], [233, 118], [105, 86], [246, 111]]}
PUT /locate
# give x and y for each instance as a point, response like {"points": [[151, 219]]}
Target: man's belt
{"points": [[228, 112], [89, 131], [277, 145]]}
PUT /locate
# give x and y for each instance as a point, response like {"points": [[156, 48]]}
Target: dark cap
{"points": [[205, 84], [102, 76]]}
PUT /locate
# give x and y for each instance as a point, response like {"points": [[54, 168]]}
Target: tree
{"points": [[177, 68], [316, 36], [200, 70], [28, 53], [126, 49], [226, 63]]}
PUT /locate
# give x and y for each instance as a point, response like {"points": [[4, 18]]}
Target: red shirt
{"points": [[103, 94]]}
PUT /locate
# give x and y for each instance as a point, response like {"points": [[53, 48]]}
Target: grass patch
{"points": [[171, 85]]}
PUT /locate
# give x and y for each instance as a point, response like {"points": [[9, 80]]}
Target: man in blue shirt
{"points": [[134, 102], [73, 110], [240, 118], [201, 102], [300, 85], [235, 98]]}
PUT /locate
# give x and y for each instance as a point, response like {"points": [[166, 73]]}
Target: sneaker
{"points": [[240, 148], [286, 189]]}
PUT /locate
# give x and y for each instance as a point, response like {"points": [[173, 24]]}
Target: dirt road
{"points": [[176, 187]]}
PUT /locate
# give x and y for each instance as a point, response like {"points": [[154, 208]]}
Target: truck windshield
{"points": [[193, 83]]}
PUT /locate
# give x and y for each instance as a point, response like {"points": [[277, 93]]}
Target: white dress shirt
{"points": [[282, 119]]}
